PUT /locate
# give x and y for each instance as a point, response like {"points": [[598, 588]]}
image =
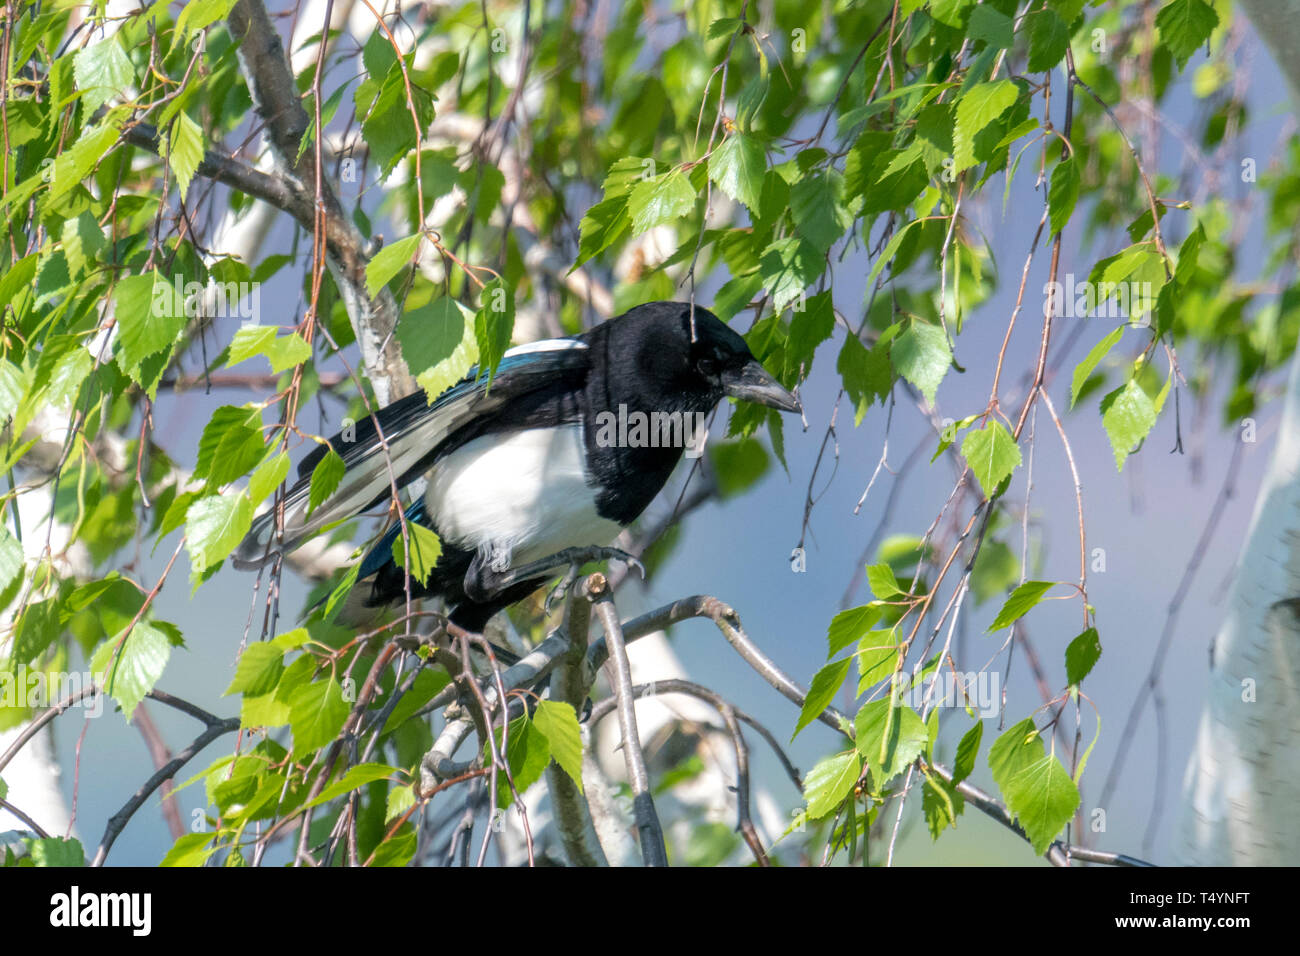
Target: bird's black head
{"points": [[656, 339]]}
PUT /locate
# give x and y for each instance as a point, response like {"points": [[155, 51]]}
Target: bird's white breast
{"points": [[521, 497]]}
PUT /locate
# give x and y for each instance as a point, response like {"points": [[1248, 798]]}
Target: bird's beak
{"points": [[753, 383]]}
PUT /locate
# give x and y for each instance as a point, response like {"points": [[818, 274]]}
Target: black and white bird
{"points": [[571, 442]]}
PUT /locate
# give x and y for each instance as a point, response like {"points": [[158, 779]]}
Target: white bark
{"points": [[1242, 787]]}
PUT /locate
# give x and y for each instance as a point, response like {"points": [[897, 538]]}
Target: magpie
{"points": [[570, 442]]}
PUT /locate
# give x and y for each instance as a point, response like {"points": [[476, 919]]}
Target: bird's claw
{"points": [[579, 557], [616, 554], [558, 592]]}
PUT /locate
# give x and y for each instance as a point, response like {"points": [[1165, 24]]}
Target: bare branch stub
{"points": [[649, 830]]}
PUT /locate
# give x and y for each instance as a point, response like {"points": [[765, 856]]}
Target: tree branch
{"points": [[653, 851]]}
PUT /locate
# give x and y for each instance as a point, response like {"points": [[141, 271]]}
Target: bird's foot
{"points": [[576, 558], [482, 582]]}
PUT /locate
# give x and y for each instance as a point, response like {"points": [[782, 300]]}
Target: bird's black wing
{"points": [[412, 429]]}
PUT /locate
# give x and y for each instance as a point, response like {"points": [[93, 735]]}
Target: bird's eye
{"points": [[709, 364]]}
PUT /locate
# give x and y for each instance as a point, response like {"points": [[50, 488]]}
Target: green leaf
{"points": [[967, 750], [75, 164], [1049, 39], [388, 127], [64, 365], [267, 477], [317, 711], [809, 327], [889, 737], [922, 356], [738, 464], [397, 850], [738, 166], [249, 340], [817, 206], [1081, 655], [980, 106], [989, 25], [149, 320], [559, 723], [428, 683], [1188, 255], [286, 351], [184, 150], [268, 710], [625, 174], [11, 558], [389, 261], [601, 227], [40, 625], [724, 26], [528, 751], [1020, 602], [825, 685], [132, 673], [849, 626], [199, 14], [941, 802], [57, 851], [82, 241], [667, 197], [867, 375], [192, 849], [1084, 369], [340, 593], [494, 323], [214, 526], [356, 778], [992, 455], [13, 388], [438, 343], [877, 657], [1043, 798], [102, 71], [1184, 25], [258, 670], [1128, 415], [325, 478], [400, 799], [1014, 750], [881, 580], [425, 551], [830, 781], [230, 445], [1063, 193], [788, 266]]}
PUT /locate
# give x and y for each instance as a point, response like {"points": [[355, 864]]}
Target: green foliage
{"points": [[1038, 790], [325, 478], [1022, 600], [1081, 655], [424, 548], [720, 153], [922, 356], [992, 455], [889, 737]]}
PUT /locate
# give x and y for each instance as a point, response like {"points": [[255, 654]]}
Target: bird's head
{"points": [[711, 363]]}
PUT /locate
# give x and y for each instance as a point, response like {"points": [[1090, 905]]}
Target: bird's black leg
{"points": [[482, 581]]}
